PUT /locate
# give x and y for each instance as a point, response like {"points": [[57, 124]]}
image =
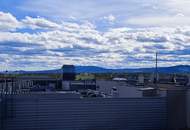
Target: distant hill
{"points": [[95, 69]]}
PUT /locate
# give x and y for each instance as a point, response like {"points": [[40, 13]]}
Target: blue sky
{"points": [[44, 34]]}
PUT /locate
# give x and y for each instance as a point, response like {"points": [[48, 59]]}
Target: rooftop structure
{"points": [[68, 73]]}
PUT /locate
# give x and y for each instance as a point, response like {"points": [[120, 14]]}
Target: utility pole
{"points": [[156, 71]]}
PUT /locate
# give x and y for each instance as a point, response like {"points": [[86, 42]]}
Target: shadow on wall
{"points": [[177, 109]]}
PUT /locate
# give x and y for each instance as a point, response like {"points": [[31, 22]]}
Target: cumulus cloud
{"points": [[39, 23], [8, 22], [83, 44]]}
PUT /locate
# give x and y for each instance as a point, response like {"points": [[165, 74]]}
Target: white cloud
{"points": [[110, 18], [84, 44], [90, 9], [165, 21], [135, 12], [178, 6], [168, 13], [8, 22], [39, 23]]}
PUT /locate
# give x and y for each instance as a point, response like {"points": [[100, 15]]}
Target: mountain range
{"points": [[95, 69]]}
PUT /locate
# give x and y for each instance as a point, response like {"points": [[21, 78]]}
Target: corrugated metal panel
{"points": [[188, 108], [2, 111], [177, 109], [57, 113], [1, 117]]}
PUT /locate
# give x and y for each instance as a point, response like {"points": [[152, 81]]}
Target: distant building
{"points": [[69, 73]]}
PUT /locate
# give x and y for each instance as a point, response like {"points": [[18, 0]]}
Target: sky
{"points": [[45, 34]]}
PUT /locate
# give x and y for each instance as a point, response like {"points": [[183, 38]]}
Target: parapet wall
{"points": [[55, 112]]}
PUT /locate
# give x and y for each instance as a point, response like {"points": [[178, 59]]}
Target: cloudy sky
{"points": [[44, 34]]}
